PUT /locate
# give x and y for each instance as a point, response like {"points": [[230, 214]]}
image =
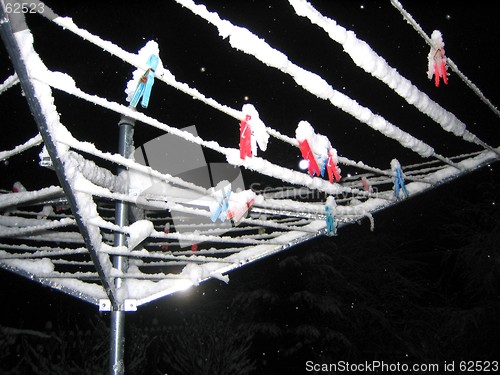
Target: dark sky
{"points": [[195, 54]]}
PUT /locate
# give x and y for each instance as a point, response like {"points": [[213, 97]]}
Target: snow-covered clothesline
{"points": [[16, 230], [32, 142], [8, 83]]}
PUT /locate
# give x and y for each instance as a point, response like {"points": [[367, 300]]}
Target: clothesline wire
{"points": [[8, 83]]}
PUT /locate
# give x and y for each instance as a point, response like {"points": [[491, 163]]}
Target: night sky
{"points": [[420, 239]]}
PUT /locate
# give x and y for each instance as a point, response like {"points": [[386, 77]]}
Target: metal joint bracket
{"points": [[127, 305], [126, 120]]}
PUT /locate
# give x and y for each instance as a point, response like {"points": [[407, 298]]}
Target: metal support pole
{"points": [[117, 323]]}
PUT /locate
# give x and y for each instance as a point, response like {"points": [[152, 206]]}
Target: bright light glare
{"points": [[304, 164], [183, 285]]}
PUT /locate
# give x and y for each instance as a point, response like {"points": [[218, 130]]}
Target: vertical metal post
{"points": [[117, 323]]}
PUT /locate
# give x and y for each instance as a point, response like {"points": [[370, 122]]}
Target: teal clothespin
{"points": [[145, 85], [331, 225]]}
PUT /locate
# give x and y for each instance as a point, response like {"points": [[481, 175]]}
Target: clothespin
{"points": [[307, 154], [245, 138], [440, 67], [221, 210], [166, 230], [18, 187], [240, 209], [366, 185], [331, 227], [399, 181], [331, 166], [46, 211], [437, 59], [145, 84]]}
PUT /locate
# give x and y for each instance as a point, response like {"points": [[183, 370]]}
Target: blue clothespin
{"points": [[323, 161], [322, 166], [222, 207], [399, 180], [331, 227], [399, 183], [145, 85]]}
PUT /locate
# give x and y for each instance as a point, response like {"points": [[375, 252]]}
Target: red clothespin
{"points": [[307, 154], [436, 74], [331, 168], [437, 59], [440, 67], [366, 184], [443, 72], [194, 247], [250, 203], [166, 230], [18, 187], [239, 211], [245, 138]]}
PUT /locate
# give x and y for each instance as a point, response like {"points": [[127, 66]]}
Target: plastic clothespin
{"points": [[331, 227], [440, 68], [366, 184], [238, 211], [437, 64], [145, 84], [245, 138], [399, 181], [166, 230], [331, 167], [222, 208], [18, 187], [308, 154]]}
